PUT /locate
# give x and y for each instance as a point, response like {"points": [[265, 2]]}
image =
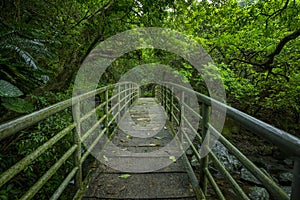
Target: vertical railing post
{"points": [[169, 100], [77, 141], [166, 102], [158, 93], [133, 93], [165, 97], [119, 103], [162, 96], [171, 104], [139, 91], [106, 111], [204, 161], [296, 180], [123, 97], [182, 110], [129, 97], [126, 97], [130, 94], [153, 90]]}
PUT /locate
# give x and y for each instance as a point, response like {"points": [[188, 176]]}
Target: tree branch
{"points": [[244, 61], [279, 47], [270, 58], [277, 12], [100, 10], [85, 17]]}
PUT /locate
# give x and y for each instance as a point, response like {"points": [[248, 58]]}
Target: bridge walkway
{"points": [[135, 167]]}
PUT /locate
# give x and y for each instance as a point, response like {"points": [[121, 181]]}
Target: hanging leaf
{"points": [[9, 90], [18, 105]]}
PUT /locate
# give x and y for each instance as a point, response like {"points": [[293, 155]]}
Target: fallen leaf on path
{"points": [[129, 137], [124, 176], [172, 158], [105, 158], [122, 188], [159, 138]]}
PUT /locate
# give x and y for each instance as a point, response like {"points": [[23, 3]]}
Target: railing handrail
{"points": [[9, 128], [278, 137]]}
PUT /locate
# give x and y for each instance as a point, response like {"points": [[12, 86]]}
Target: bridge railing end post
{"points": [[296, 180], [205, 160], [77, 141]]}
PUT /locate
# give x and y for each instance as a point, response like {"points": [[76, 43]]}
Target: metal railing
{"points": [[125, 95], [172, 98]]}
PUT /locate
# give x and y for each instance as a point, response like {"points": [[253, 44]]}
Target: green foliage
{"points": [[17, 62], [9, 192], [9, 90], [8, 94], [242, 37], [19, 68], [18, 105], [147, 94]]}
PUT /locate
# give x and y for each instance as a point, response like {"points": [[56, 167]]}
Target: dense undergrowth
{"points": [[254, 44]]}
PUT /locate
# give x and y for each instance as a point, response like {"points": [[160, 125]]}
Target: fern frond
{"points": [[17, 59]]}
